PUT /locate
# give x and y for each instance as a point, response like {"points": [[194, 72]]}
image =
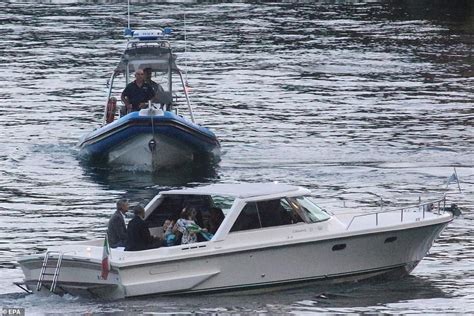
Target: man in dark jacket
{"points": [[116, 230], [139, 237], [137, 93]]}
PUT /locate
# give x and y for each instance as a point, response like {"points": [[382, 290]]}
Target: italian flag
{"points": [[104, 273]]}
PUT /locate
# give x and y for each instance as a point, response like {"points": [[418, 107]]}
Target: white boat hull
{"points": [[136, 152], [220, 268], [364, 257]]}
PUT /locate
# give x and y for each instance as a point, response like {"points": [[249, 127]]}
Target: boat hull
{"points": [[345, 259], [76, 276], [150, 140]]}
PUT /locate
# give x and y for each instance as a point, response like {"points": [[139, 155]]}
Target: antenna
{"points": [[184, 20], [128, 11], [185, 43], [185, 53]]}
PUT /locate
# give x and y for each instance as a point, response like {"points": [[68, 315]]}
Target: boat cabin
{"points": [[244, 207]]}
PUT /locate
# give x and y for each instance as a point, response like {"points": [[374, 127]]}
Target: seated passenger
{"points": [[169, 236], [184, 225], [216, 217], [137, 93], [271, 213], [138, 234]]}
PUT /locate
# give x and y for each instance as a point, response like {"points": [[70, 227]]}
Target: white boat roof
{"points": [[241, 190]]}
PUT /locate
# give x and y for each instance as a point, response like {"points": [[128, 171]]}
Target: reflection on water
{"points": [[348, 298], [134, 182], [364, 102]]}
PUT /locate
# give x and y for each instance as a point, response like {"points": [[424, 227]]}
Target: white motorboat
{"points": [[272, 234]]}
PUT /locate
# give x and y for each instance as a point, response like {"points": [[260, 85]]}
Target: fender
{"points": [[111, 109]]}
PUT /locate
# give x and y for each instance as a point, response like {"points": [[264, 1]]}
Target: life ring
{"points": [[111, 109]]}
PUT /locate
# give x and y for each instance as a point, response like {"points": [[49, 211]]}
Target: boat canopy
{"points": [[242, 190], [155, 56]]}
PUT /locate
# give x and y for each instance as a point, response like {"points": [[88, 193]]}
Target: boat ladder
{"points": [[45, 268]]}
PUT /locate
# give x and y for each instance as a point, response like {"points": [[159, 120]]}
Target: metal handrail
{"points": [[187, 98], [423, 207]]}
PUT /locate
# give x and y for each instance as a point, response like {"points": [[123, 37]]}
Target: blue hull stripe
{"points": [[186, 133]]}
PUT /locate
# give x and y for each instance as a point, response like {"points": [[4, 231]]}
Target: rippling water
{"points": [[357, 100]]}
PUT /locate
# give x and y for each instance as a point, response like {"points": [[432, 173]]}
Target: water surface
{"points": [[359, 101]]}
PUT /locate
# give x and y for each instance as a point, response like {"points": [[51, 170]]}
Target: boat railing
{"points": [[437, 206]]}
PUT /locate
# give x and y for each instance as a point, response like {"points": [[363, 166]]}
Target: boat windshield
{"points": [[310, 212], [277, 212]]}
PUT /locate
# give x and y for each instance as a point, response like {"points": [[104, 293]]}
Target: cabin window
{"points": [[268, 213], [170, 207], [248, 218], [275, 212], [278, 212]]}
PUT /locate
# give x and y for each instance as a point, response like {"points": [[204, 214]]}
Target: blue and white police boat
{"points": [[157, 137]]}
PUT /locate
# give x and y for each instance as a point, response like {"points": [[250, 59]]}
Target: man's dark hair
{"points": [[138, 209]]}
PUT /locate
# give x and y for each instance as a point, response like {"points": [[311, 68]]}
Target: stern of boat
{"points": [[61, 273]]}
